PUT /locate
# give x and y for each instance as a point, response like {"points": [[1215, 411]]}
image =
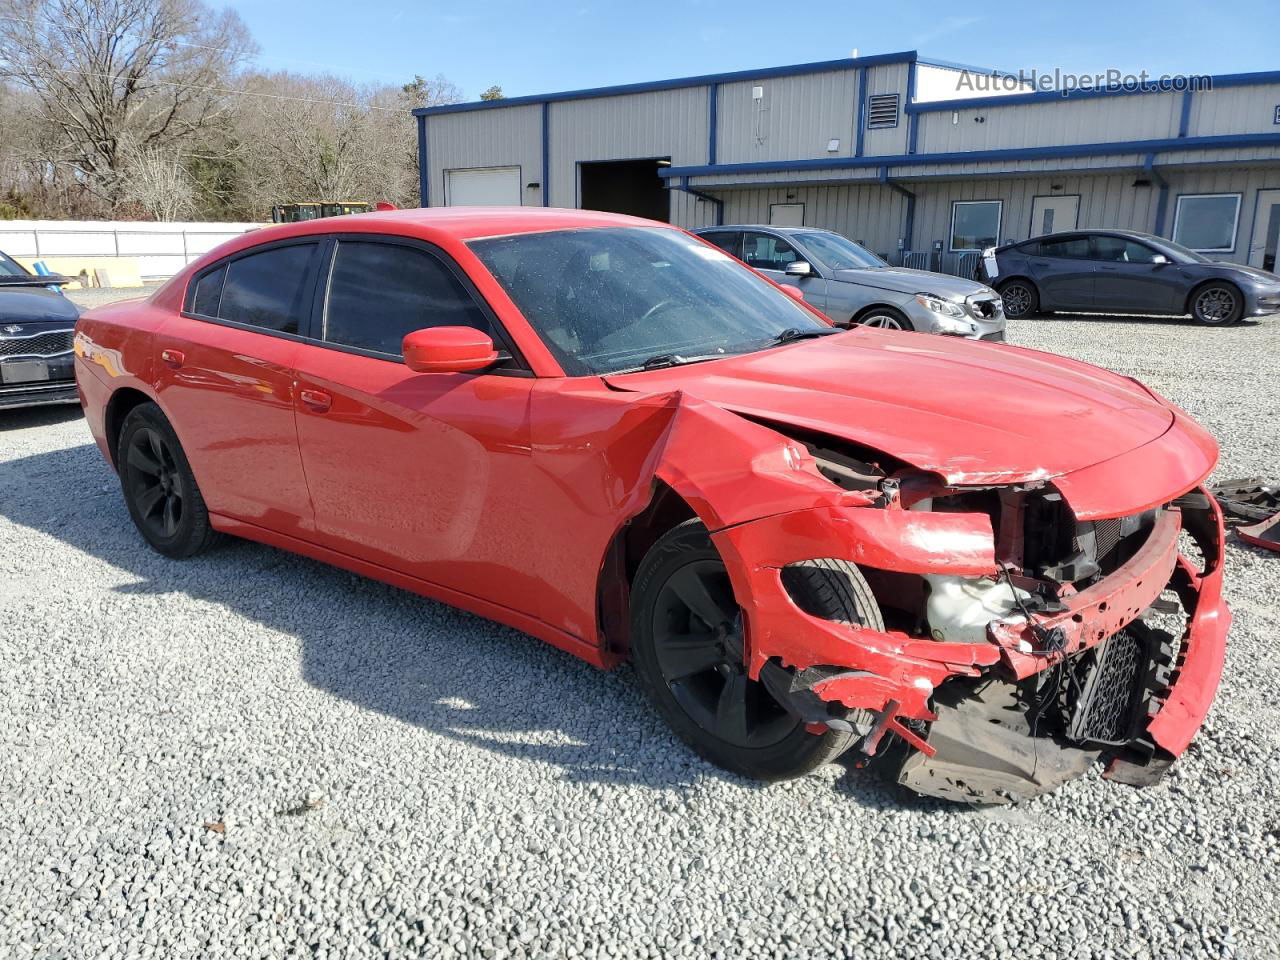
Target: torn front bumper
{"points": [[878, 682]]}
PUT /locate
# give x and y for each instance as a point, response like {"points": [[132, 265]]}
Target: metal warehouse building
{"points": [[885, 150]]}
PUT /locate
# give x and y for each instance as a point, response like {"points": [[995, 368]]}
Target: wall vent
{"points": [[882, 110]]}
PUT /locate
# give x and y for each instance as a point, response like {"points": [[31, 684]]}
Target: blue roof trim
{"points": [[1049, 96], [977, 156], [799, 69]]}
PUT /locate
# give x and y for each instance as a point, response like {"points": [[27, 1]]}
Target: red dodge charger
{"points": [[961, 559]]}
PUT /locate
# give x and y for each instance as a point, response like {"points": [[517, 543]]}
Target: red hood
{"points": [[973, 412]]}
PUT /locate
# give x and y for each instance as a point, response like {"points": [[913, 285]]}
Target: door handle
{"points": [[316, 401], [1111, 269], [173, 358]]}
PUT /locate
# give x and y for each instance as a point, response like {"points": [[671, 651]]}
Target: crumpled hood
{"points": [[906, 280], [973, 412], [35, 305]]}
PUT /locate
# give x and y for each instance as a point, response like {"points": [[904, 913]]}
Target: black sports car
{"points": [[36, 327], [1123, 271]]}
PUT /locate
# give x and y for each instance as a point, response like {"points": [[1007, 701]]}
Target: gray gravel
{"points": [[251, 754]]}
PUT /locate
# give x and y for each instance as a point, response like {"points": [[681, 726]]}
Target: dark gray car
{"points": [[851, 285], [1123, 271], [36, 328]]}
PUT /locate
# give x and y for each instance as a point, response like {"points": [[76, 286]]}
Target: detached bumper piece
{"points": [[1256, 503]]}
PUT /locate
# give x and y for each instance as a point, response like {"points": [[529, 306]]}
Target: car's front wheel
{"points": [[885, 318], [1217, 305], [159, 488], [1020, 299], [687, 645]]}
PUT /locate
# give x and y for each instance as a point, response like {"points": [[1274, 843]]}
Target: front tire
{"points": [[885, 318], [686, 641], [159, 488], [1021, 299], [1217, 305]]}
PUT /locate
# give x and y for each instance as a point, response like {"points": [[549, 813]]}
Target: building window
{"points": [[1207, 222], [975, 224]]}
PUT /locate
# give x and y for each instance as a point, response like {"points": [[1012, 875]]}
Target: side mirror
{"points": [[795, 293], [448, 350], [799, 269], [1159, 259]]}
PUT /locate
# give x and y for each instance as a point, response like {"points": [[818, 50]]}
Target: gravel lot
{"points": [[251, 754]]}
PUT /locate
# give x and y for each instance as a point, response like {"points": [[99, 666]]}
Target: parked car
{"points": [[36, 326], [851, 285], [611, 435], [1123, 271]]}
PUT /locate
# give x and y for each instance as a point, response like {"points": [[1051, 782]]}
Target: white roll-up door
{"points": [[483, 187]]}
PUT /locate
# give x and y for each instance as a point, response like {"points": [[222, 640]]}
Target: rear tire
{"points": [[1217, 305], [692, 669], [158, 486], [1021, 299]]}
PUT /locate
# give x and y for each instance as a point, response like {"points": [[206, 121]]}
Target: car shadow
{"points": [[1170, 321], [386, 650], [20, 418]]}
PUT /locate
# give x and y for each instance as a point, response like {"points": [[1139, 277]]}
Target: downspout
{"points": [[909, 228], [1162, 199], [546, 154], [913, 129], [719, 204], [424, 175]]}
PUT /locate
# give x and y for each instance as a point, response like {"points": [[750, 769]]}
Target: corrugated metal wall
{"points": [[668, 123], [869, 213], [794, 119], [891, 78], [1234, 110], [510, 136]]}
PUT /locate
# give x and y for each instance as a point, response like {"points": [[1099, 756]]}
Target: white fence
{"points": [[160, 249]]}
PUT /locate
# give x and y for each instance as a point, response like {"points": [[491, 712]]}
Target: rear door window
{"points": [[269, 290], [1069, 248], [208, 293], [727, 240], [378, 292]]}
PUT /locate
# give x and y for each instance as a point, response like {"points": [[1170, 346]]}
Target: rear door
{"points": [[1063, 272], [1128, 278], [226, 381], [423, 473]]}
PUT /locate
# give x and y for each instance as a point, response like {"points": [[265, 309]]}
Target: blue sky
{"points": [[543, 47]]}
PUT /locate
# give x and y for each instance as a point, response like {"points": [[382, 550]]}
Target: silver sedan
{"points": [[851, 285]]}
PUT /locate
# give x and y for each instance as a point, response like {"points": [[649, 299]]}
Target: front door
{"points": [[1266, 231], [770, 254], [226, 380], [422, 473], [1053, 214], [1129, 278]]}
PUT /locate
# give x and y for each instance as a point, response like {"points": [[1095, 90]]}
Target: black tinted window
{"points": [[268, 289], [1072, 248], [726, 241], [1120, 250], [208, 293], [378, 292]]}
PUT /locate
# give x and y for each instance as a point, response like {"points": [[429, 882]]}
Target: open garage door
{"points": [[625, 186], [483, 187]]}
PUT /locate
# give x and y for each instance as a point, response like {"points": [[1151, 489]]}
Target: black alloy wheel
{"points": [[687, 647], [159, 488]]}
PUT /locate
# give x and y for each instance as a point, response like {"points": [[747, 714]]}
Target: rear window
{"points": [[267, 289], [208, 293]]}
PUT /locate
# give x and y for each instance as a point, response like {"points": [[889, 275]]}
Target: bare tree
{"points": [[159, 183], [110, 76]]}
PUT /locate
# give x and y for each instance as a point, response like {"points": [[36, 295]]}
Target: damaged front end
{"points": [[1027, 635]]}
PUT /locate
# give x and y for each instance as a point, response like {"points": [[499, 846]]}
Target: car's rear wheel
{"points": [[1217, 305], [1021, 299], [885, 318], [159, 488], [687, 644]]}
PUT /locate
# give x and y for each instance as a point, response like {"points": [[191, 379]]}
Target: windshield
{"points": [[839, 253], [10, 268], [610, 299]]}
